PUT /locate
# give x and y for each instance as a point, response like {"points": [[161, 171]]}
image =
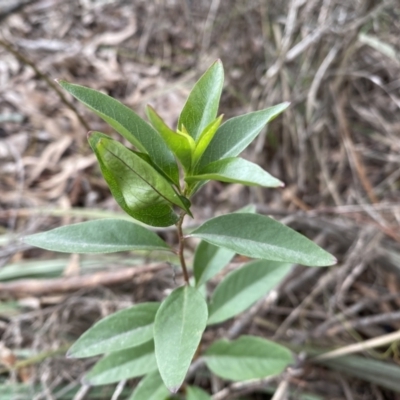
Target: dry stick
{"points": [[208, 26], [41, 75], [241, 388], [350, 311], [355, 163], [357, 347], [38, 287], [366, 321], [118, 390], [82, 392]]}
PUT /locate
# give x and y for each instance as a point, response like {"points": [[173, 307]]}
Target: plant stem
{"points": [[181, 248]]}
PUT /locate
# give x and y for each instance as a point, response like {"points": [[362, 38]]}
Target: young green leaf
{"points": [[236, 170], [237, 133], [98, 236], [247, 358], [121, 330], [178, 327], [258, 236], [124, 364], [202, 104], [129, 125], [243, 287], [151, 387], [205, 138], [209, 260], [136, 186], [195, 393], [180, 143]]}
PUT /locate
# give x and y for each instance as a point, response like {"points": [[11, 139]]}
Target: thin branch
{"points": [[41, 75], [181, 248]]}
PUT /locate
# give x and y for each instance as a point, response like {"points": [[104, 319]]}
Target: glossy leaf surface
{"points": [[237, 133], [98, 236], [178, 327], [136, 186], [123, 329], [258, 236], [195, 393], [151, 387], [242, 288], [128, 124], [180, 143], [123, 364], [246, 358], [236, 170], [202, 104]]}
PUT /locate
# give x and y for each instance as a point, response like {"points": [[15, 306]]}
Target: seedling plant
{"points": [[153, 182]]}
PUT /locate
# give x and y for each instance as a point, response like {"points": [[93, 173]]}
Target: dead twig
{"points": [[49, 82], [36, 287]]}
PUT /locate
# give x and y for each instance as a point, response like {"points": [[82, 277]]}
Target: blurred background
{"points": [[337, 148]]}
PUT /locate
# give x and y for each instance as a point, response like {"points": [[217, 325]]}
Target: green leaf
{"points": [[124, 364], [180, 143], [129, 125], [151, 387], [258, 236], [205, 139], [136, 186], [178, 327], [237, 133], [209, 260], [195, 393], [202, 104], [236, 170], [123, 329], [247, 358], [243, 287], [98, 236]]}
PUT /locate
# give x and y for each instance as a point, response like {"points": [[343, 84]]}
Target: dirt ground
{"points": [[337, 148]]}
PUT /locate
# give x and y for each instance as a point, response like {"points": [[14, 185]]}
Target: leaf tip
{"points": [[85, 381], [174, 389], [70, 354]]}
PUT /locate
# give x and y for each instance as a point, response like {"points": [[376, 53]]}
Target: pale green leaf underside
{"points": [[242, 288], [202, 104], [178, 327], [128, 124], [121, 330], [237, 133], [258, 236], [123, 364], [209, 260], [151, 387], [236, 170], [136, 186], [195, 393], [99, 236], [247, 358]]}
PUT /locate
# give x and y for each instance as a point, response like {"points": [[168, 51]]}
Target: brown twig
{"points": [[41, 75], [38, 287]]}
